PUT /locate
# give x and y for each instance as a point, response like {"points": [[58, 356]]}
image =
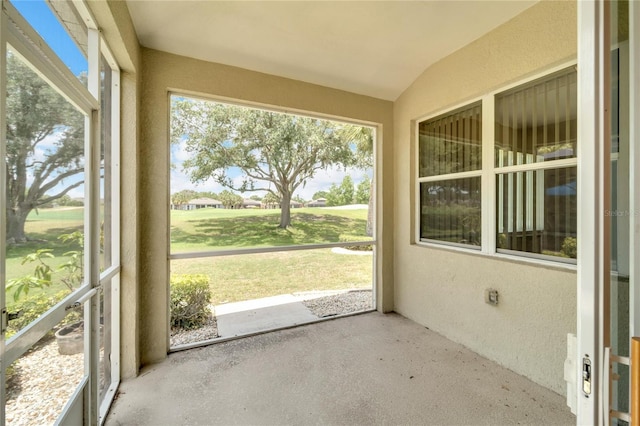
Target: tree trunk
{"points": [[16, 219], [285, 211], [370, 210]]}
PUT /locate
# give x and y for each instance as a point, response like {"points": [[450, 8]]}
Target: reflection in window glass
{"points": [[450, 211], [537, 122], [45, 174], [451, 143], [58, 23], [537, 211], [243, 177]]}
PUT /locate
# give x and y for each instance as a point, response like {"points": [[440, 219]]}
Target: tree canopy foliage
{"points": [[230, 200], [363, 191], [341, 195], [276, 152], [45, 145]]}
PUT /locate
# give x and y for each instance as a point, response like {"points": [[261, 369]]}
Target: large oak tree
{"points": [[276, 152], [45, 143]]}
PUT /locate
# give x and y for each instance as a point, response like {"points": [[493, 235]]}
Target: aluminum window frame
{"points": [[450, 176], [488, 178]]}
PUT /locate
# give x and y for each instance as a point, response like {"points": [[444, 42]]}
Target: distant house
{"points": [[199, 203], [296, 204], [320, 202], [248, 203]]}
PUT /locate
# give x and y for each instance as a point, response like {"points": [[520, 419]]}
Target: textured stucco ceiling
{"points": [[375, 48]]}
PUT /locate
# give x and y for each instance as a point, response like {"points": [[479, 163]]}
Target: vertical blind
{"points": [[450, 206], [536, 123], [451, 143]]}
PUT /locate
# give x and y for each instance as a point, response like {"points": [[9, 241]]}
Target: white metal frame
{"points": [[593, 228], [634, 165], [3, 212], [26, 43]]}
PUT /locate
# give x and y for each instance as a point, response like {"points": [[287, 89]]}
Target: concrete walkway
{"points": [[369, 369], [268, 313], [256, 315]]}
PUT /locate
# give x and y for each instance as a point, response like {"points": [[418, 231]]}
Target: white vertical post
{"points": [[115, 229], [593, 179], [92, 216], [634, 165], [488, 178], [3, 209]]}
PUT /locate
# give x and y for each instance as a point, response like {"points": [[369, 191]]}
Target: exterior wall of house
{"points": [[164, 72], [443, 289]]}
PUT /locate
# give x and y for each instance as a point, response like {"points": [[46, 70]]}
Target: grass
{"points": [[43, 228], [232, 278], [211, 229], [246, 277]]}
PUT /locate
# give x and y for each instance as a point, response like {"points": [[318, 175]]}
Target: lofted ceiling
{"points": [[374, 48]]}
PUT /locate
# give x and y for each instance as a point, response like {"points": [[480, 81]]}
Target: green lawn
{"points": [[232, 278], [212, 229], [245, 277], [43, 228]]}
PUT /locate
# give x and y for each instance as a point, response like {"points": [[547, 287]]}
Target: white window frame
{"points": [[489, 171], [449, 176]]}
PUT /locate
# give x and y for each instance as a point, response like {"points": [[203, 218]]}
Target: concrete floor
{"points": [[361, 370]]}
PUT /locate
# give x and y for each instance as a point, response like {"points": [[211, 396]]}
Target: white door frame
{"points": [[594, 179], [593, 228]]}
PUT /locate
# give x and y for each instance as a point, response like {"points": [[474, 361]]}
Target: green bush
{"points": [[570, 247], [190, 298], [32, 308], [352, 238]]}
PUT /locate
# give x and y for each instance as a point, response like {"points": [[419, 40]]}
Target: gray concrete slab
{"points": [[363, 370], [235, 319]]}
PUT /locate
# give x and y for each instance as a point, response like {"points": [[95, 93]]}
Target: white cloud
{"points": [[179, 154], [180, 181]]}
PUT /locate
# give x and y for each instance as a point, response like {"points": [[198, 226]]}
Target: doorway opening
{"points": [[271, 220]]}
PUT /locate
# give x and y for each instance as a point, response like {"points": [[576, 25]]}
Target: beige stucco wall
{"points": [[444, 289], [163, 72]]}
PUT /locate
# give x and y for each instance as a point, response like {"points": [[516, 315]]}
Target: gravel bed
{"points": [[207, 332], [340, 304], [42, 384]]}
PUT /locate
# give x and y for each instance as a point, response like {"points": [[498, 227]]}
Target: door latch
{"points": [[586, 375]]}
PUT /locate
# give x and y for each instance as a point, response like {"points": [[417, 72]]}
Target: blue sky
{"points": [[42, 19], [320, 182], [45, 23]]}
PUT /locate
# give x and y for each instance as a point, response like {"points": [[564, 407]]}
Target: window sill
{"points": [[523, 260]]}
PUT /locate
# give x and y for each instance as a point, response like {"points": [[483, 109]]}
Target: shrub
{"points": [[31, 309], [570, 247], [190, 298], [344, 238]]}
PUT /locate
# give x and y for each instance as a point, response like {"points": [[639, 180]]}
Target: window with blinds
{"points": [[535, 165], [449, 176]]}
